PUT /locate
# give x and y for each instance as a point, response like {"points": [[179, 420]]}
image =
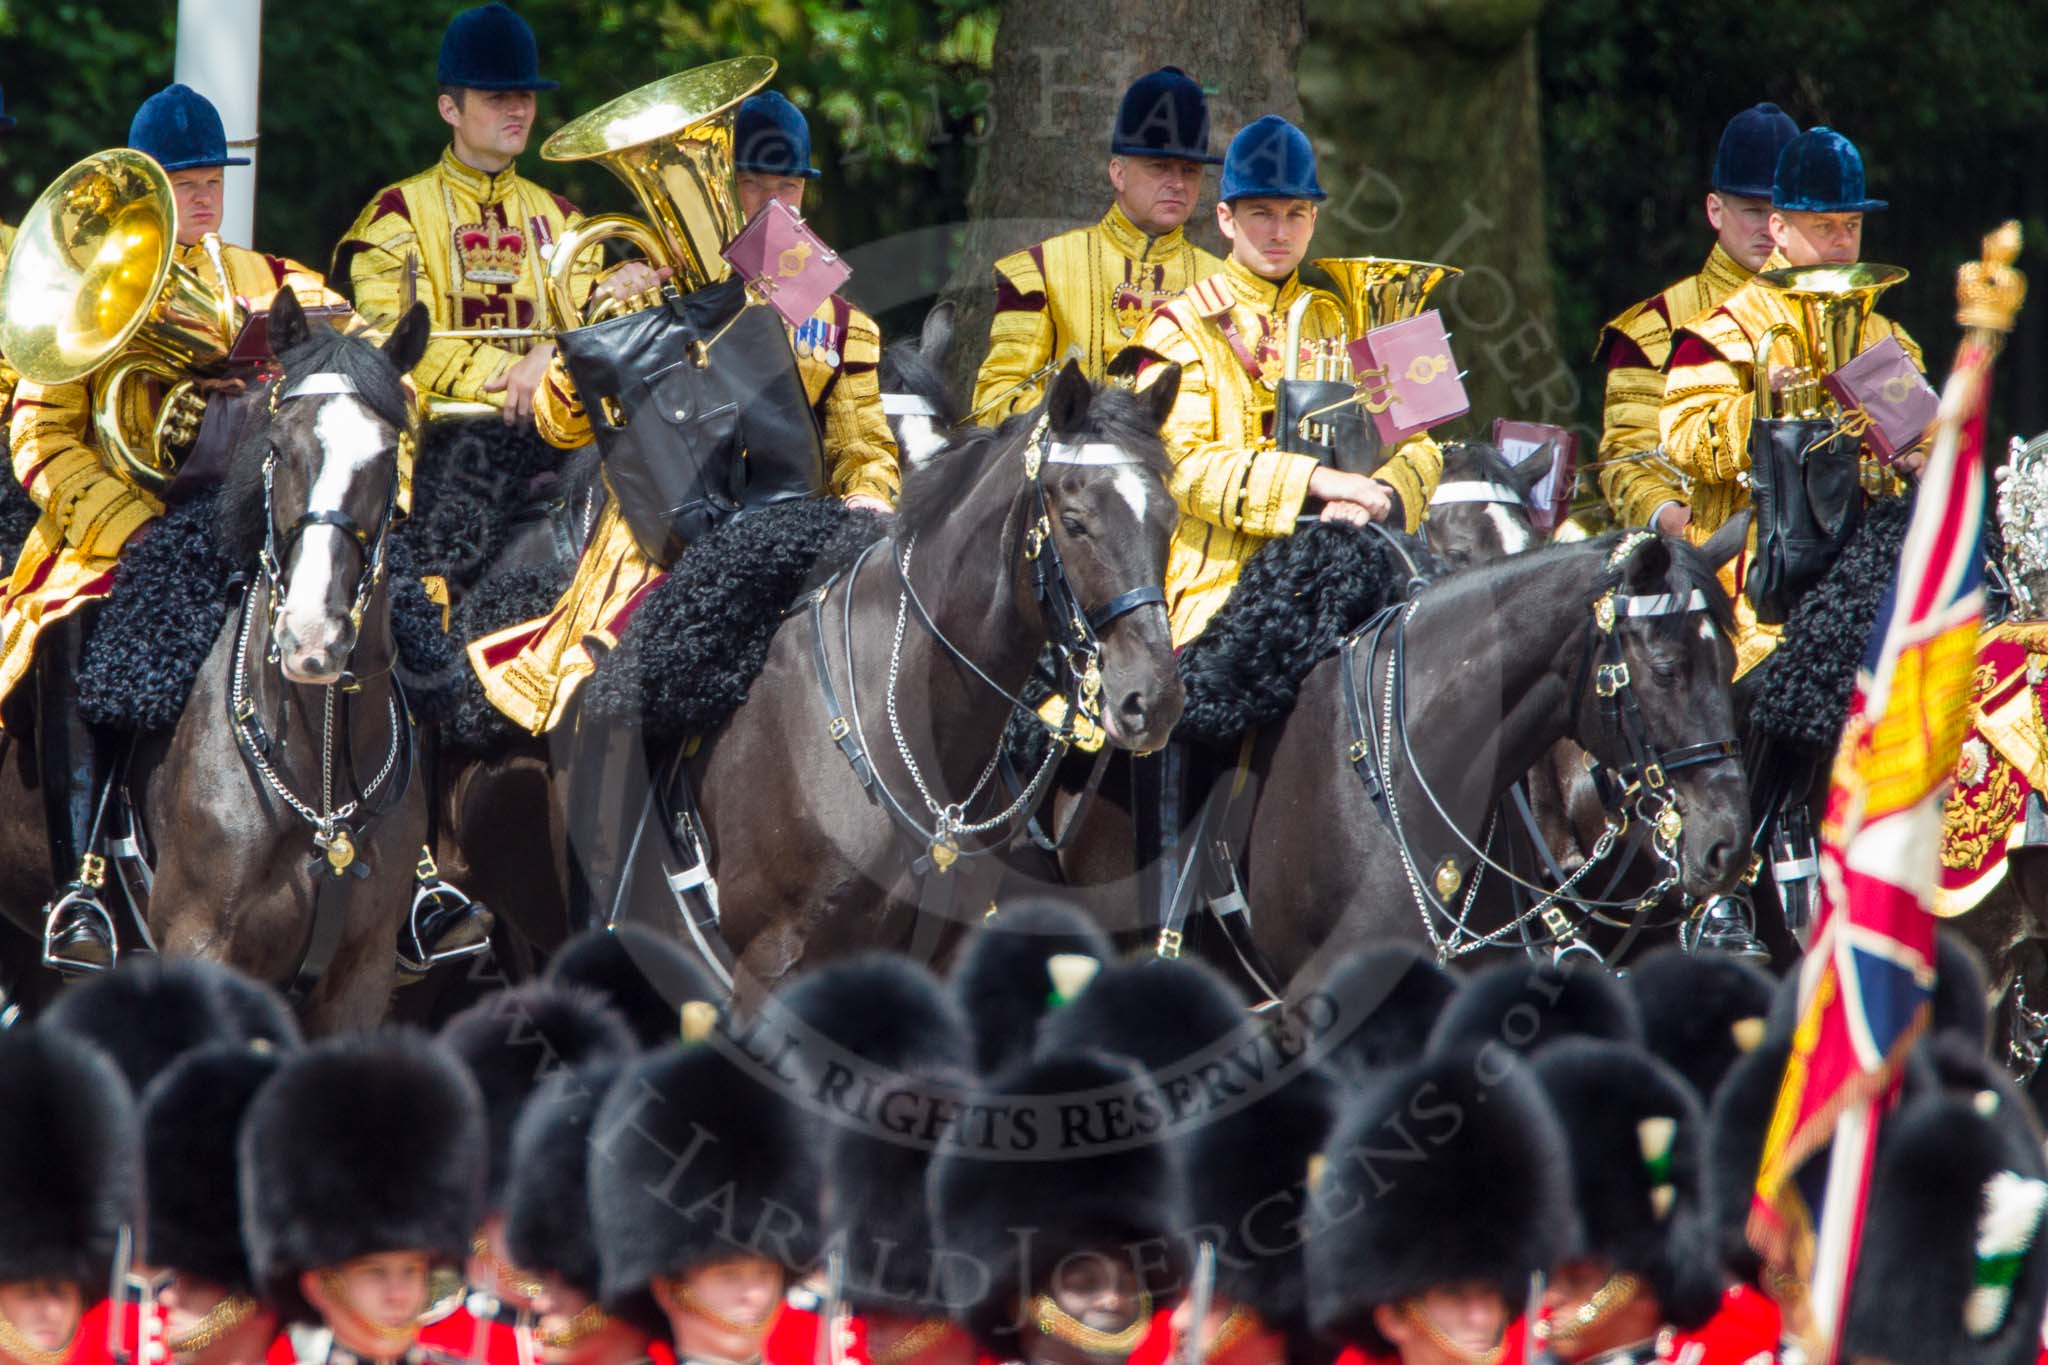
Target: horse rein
{"points": [[1644, 775], [1073, 630]]}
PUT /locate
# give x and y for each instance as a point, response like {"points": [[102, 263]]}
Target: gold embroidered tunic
{"points": [[1710, 393], [1709, 401], [1235, 487], [481, 245], [7, 375], [90, 509], [1093, 287], [532, 670], [1634, 347]]}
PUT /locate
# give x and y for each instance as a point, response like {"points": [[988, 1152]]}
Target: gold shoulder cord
{"points": [[1057, 1323]]}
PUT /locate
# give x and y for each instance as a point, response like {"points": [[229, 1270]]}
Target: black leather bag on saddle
{"points": [[1350, 441], [686, 445], [1806, 486]]}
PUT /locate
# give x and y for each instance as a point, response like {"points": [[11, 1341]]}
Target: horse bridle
{"points": [[1477, 491], [1643, 779], [1073, 629], [370, 544]]}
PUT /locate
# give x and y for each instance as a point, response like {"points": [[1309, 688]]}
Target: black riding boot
{"points": [[77, 932], [1158, 783], [608, 785]]}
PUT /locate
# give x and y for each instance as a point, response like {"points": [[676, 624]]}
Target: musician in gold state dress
{"points": [[1639, 484], [531, 671], [1235, 486], [1817, 209], [91, 510], [471, 234], [1095, 286]]}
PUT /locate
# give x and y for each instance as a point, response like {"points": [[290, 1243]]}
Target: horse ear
{"points": [[1648, 567], [1729, 541], [288, 327], [1158, 388], [936, 338], [1067, 405], [1526, 475], [408, 341]]}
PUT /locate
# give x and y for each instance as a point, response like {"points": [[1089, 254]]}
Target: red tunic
{"points": [[462, 1335]]}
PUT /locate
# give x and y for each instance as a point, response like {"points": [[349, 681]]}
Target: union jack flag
{"points": [[1867, 979]]}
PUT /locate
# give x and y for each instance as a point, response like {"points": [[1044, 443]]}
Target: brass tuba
{"points": [[672, 143], [93, 287], [1372, 291], [1834, 301]]}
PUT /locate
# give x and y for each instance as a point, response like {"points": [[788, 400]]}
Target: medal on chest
{"points": [[818, 339], [492, 250]]}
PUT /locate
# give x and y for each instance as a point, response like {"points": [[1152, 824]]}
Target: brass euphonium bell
{"points": [[1834, 301], [93, 287], [672, 143]]}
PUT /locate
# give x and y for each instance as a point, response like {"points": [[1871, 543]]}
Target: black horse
{"points": [[922, 409], [282, 810]]}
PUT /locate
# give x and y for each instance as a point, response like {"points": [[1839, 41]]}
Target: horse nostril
{"points": [[1132, 707]]}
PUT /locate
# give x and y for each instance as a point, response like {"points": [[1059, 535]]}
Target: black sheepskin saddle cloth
{"points": [[696, 643], [698, 639], [1296, 600], [171, 597], [474, 479], [17, 517]]}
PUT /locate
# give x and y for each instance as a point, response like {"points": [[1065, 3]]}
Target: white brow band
{"points": [[907, 405], [1661, 604], [1474, 490]]}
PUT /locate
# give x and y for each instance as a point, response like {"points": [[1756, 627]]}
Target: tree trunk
{"points": [[1060, 68], [1426, 125]]}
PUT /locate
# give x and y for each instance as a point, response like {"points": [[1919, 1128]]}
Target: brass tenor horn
{"points": [[93, 287], [1372, 291], [1834, 301], [672, 143]]}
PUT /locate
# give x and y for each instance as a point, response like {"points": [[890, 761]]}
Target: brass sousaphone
{"points": [[93, 287]]}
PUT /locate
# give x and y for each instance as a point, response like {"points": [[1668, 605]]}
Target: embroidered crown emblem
{"points": [[491, 251]]}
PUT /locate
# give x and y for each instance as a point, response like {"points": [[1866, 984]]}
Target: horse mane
{"points": [[905, 369], [1476, 461], [934, 491], [378, 383]]}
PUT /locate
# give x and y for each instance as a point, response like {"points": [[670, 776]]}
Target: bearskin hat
{"points": [[1001, 979], [69, 1160], [700, 1154], [647, 976], [1011, 1199], [887, 1017], [1247, 1185], [512, 1040], [1738, 1117], [1524, 1005], [1960, 991], [1952, 1268], [190, 1117], [362, 1143], [149, 1009], [1700, 1011], [1157, 1012], [1635, 1130], [1451, 1171], [1387, 998], [880, 1008], [547, 1190]]}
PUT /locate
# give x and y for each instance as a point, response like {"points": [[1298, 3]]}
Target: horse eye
{"points": [[1073, 525]]}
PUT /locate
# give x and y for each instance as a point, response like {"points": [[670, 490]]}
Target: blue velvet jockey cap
{"points": [[1164, 113], [1270, 158], [1820, 171], [491, 48], [1750, 145], [772, 137], [6, 120], [181, 129]]}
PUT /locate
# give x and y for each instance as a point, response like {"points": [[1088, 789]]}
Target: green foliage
{"points": [[896, 89], [1945, 102]]}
